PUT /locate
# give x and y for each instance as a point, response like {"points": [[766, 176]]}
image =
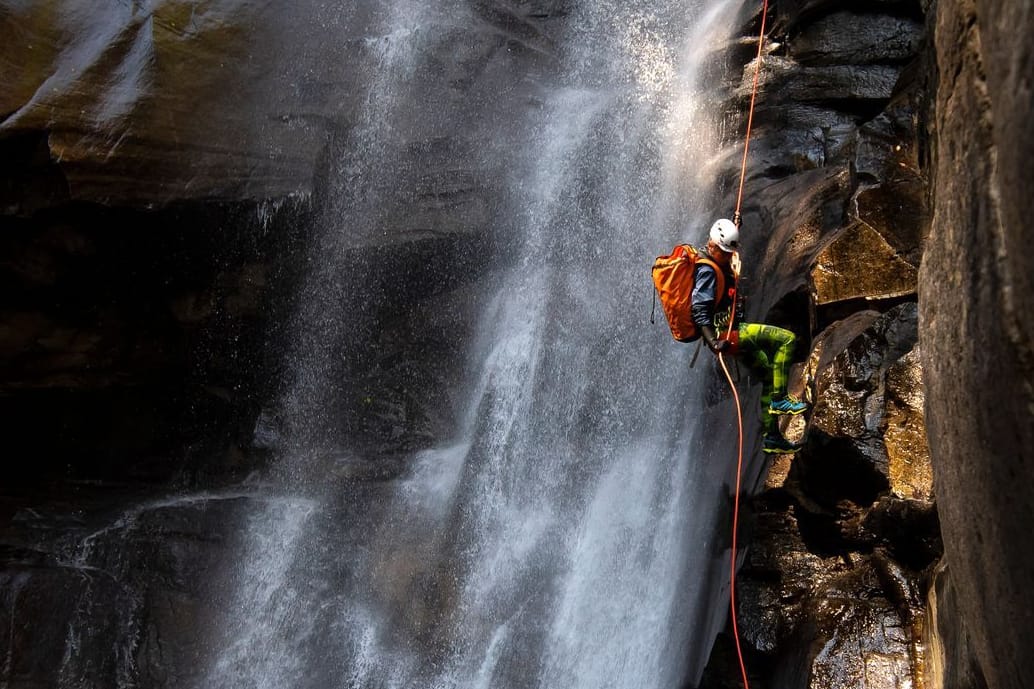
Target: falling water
{"points": [[565, 538]]}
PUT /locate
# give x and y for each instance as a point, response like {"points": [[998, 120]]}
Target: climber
{"points": [[766, 349]]}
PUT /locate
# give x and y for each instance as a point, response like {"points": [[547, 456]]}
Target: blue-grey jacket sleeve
{"points": [[705, 286]]}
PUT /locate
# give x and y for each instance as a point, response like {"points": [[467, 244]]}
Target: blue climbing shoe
{"points": [[787, 405], [773, 443]]}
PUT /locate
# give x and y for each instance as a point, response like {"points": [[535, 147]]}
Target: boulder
{"points": [[851, 378], [861, 264], [904, 430]]}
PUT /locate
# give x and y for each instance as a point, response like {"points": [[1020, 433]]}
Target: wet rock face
{"points": [[844, 535], [861, 264], [951, 660], [845, 532], [975, 288], [854, 392], [119, 347], [859, 497], [144, 104], [865, 641], [164, 170], [854, 38], [138, 583], [153, 105], [134, 577]]}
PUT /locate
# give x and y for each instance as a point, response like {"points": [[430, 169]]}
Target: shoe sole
{"points": [[777, 412], [780, 451]]}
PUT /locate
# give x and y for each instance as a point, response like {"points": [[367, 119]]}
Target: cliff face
{"points": [[146, 103], [141, 304], [975, 296], [165, 169], [844, 533], [164, 174], [868, 117]]}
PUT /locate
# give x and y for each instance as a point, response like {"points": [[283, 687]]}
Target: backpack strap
{"points": [[719, 277], [720, 286]]}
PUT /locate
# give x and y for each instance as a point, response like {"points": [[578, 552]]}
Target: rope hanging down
{"points": [[725, 369], [735, 523]]}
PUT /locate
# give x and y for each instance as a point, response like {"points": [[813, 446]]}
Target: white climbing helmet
{"points": [[726, 235]]}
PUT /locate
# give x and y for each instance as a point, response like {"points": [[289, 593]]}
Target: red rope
{"points": [[735, 523], [725, 369], [750, 112]]}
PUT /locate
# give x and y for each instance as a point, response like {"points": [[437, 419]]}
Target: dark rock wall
{"points": [[165, 173], [165, 170], [843, 535], [147, 103], [855, 577], [133, 342], [976, 298]]}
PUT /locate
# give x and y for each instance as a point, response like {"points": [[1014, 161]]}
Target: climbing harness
{"points": [[725, 369]]}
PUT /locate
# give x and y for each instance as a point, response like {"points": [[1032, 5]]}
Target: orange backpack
{"points": [[673, 280]]}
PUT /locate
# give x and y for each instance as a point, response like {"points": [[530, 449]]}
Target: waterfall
{"points": [[566, 536]]}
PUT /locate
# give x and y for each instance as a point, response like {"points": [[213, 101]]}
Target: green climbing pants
{"points": [[767, 351]]}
